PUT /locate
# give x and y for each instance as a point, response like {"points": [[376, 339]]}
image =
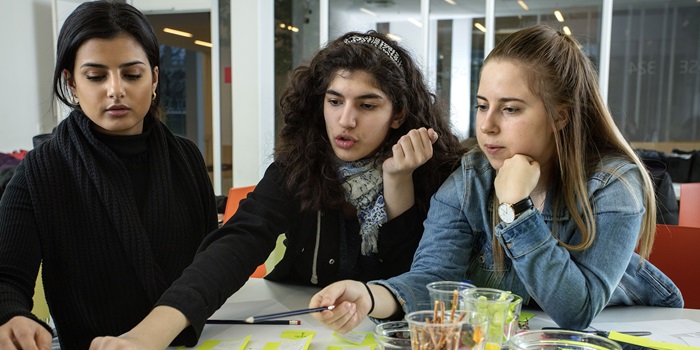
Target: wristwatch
{"points": [[509, 212]]}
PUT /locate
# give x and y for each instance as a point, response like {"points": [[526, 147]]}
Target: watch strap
{"points": [[522, 206]]}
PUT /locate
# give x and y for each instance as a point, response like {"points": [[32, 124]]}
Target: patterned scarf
{"points": [[364, 189]]}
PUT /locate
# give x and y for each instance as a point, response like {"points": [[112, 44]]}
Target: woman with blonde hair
{"points": [[551, 205]]}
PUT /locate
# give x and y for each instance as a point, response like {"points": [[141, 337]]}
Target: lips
{"points": [[345, 141], [492, 149], [118, 110]]}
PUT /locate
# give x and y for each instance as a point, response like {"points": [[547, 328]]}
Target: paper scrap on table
{"points": [[292, 340], [353, 337], [351, 347], [679, 331], [359, 341], [228, 344]]}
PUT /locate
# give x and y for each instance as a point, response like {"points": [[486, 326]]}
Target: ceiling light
{"points": [[523, 5], [177, 32], [452, 2], [559, 16], [368, 12], [480, 27], [203, 43], [567, 31], [415, 22], [282, 25]]}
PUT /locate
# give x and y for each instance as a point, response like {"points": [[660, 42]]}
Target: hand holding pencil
{"points": [[352, 301]]}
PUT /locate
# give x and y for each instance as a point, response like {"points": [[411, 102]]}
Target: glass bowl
{"points": [[560, 339], [394, 335]]}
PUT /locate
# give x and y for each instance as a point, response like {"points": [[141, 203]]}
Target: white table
{"points": [[283, 297], [280, 297]]}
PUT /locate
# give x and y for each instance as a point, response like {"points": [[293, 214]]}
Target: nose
{"points": [[487, 122], [116, 88], [348, 119]]}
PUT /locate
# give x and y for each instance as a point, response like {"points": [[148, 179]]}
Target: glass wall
{"points": [[654, 89], [655, 70], [296, 39], [456, 57], [401, 20]]}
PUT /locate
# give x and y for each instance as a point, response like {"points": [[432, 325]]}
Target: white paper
{"points": [[297, 344], [352, 337], [679, 331]]}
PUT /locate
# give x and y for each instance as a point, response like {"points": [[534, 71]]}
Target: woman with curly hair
{"points": [[364, 146]]}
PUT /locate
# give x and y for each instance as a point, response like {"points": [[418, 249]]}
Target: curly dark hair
{"points": [[303, 149]]}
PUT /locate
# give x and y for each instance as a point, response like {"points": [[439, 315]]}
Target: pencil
{"points": [[271, 322], [257, 319]]}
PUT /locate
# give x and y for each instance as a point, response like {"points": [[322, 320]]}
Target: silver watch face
{"points": [[506, 213]]}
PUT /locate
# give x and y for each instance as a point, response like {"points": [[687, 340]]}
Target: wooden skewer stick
{"points": [[454, 305]]}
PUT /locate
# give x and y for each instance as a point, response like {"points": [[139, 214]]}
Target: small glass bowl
{"points": [[394, 335], [560, 339]]}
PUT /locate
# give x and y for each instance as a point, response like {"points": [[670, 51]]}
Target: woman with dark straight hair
{"points": [[113, 206]]}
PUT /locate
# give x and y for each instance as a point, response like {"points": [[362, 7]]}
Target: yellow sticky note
{"points": [[525, 316], [646, 342], [295, 340], [297, 334], [214, 344]]}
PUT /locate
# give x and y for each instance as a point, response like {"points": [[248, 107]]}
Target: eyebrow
{"points": [[102, 66], [503, 99], [370, 95]]}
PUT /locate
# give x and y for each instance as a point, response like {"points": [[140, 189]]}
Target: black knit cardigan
{"points": [[71, 205]]}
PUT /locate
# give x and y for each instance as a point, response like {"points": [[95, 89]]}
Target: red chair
{"points": [[235, 195], [675, 252], [689, 209]]}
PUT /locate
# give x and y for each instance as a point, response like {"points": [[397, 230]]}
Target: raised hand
{"points": [[411, 151], [516, 178]]}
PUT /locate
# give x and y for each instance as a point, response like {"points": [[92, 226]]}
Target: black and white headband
{"points": [[378, 43]]}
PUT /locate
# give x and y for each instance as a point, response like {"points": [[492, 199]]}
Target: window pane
{"points": [[655, 70], [296, 39], [400, 19], [460, 37], [457, 57]]}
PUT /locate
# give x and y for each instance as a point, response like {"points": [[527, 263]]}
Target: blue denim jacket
{"points": [[572, 287]]}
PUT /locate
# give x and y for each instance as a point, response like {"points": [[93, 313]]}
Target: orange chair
{"points": [[235, 195], [675, 253], [689, 209]]}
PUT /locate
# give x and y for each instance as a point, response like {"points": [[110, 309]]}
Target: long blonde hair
{"points": [[564, 78]]}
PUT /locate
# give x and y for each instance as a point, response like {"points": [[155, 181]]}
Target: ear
{"points": [[155, 78], [399, 118], [70, 82], [562, 119]]}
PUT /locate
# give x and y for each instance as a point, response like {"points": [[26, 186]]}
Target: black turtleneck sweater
{"points": [[131, 151], [113, 220]]}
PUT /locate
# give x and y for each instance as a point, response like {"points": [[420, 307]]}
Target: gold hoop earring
{"points": [[154, 96], [74, 100]]}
